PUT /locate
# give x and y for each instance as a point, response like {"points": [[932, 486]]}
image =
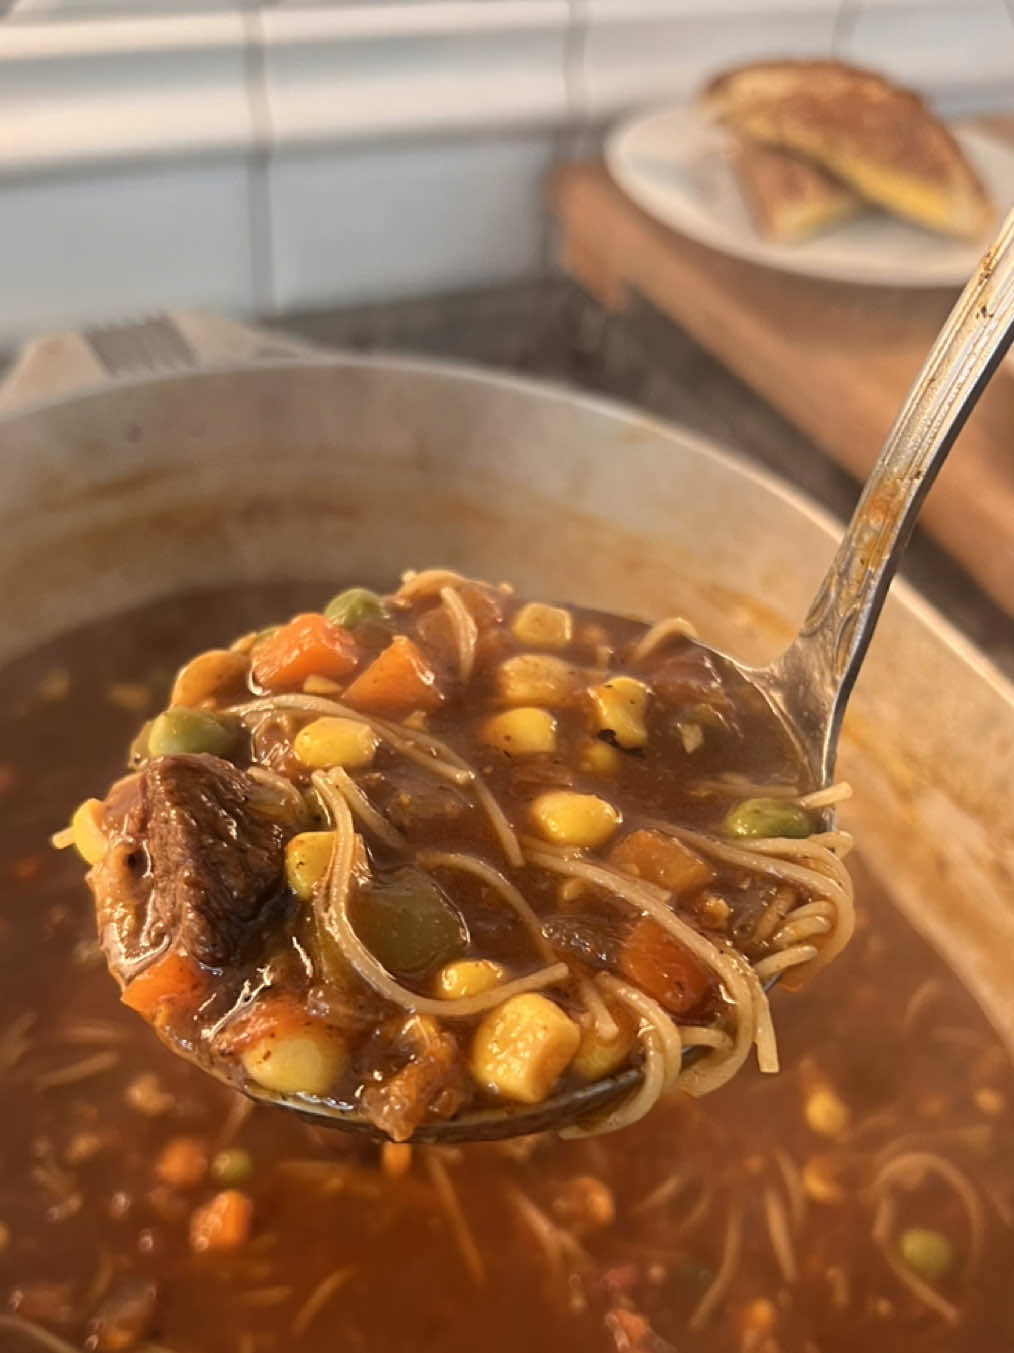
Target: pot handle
{"points": [[72, 362]]}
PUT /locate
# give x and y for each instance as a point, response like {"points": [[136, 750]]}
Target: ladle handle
{"points": [[816, 673]]}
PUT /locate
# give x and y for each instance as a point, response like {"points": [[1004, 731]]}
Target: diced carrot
{"points": [[276, 1014], [661, 859], [183, 1162], [309, 645], [656, 963], [172, 981], [222, 1223], [398, 680]]}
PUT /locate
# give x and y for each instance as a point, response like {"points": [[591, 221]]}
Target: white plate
{"points": [[675, 166]]}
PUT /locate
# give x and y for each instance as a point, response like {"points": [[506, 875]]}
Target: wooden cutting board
{"points": [[834, 359]]}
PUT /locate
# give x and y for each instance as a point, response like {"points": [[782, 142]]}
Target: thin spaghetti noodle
{"points": [[337, 922], [364, 810], [660, 633], [426, 583], [464, 630], [663, 1051], [411, 743], [472, 864], [717, 1066], [581, 767], [823, 876]]}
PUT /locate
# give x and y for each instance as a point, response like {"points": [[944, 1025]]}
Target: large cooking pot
{"points": [[353, 468]]}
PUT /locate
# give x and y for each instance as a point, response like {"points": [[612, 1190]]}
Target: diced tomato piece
{"points": [[397, 681], [309, 645], [170, 982], [656, 963]]}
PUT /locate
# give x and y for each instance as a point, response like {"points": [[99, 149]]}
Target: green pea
{"points": [[189, 730], [407, 922], [354, 606], [928, 1253], [767, 817], [232, 1167], [137, 752]]}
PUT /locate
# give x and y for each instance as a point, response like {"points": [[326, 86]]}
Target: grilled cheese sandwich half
{"points": [[789, 198], [882, 141]]}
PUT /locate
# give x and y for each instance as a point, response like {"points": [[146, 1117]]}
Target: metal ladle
{"points": [[808, 686]]}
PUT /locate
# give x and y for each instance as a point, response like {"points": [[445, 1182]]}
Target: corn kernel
{"points": [[208, 676], [584, 1204], [596, 1056], [598, 758], [536, 679], [306, 1063], [570, 892], [396, 1159], [543, 626], [758, 1317], [826, 1114], [820, 1180], [468, 977], [334, 741], [691, 736], [521, 1048], [319, 685], [307, 856], [89, 838], [619, 710], [570, 819], [989, 1102], [521, 732]]}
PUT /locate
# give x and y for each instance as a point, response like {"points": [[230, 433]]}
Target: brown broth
{"points": [[80, 1199]]}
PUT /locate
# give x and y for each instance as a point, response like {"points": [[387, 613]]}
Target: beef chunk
{"points": [[595, 941], [419, 805], [194, 861], [690, 678], [429, 1083]]}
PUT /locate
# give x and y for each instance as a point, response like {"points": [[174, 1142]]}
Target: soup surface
{"points": [[863, 1197], [448, 850]]}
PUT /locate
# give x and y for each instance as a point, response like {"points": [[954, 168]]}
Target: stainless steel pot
{"points": [[351, 468]]}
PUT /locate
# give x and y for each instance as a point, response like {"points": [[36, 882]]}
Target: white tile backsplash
{"points": [[82, 92], [371, 222], [345, 73], [102, 246], [963, 54], [397, 147], [656, 53]]}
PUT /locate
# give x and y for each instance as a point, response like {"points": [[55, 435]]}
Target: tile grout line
{"points": [[573, 74], [259, 194]]}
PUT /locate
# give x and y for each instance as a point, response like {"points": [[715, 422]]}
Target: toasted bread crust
{"points": [[880, 139], [790, 198]]}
